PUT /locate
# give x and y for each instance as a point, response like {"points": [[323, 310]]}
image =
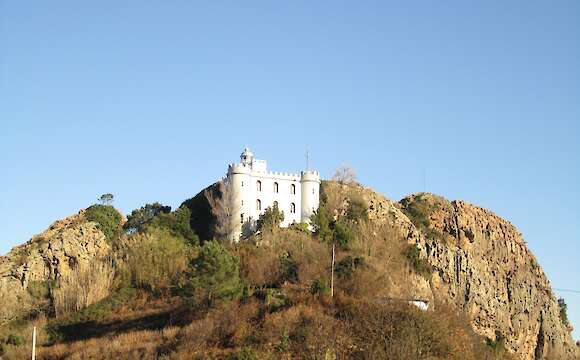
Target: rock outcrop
{"points": [[482, 265], [55, 269]]}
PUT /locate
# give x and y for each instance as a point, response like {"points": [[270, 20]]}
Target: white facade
{"points": [[255, 189]]}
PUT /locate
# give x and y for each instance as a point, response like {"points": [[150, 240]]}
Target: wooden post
{"points": [[34, 343], [332, 274]]}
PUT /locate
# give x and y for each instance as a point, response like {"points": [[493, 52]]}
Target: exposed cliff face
{"points": [[53, 268], [482, 265]]}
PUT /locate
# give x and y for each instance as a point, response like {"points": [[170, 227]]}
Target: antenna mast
{"points": [[307, 159]]}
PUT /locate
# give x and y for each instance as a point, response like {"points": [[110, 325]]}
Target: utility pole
{"points": [[34, 343], [332, 274]]}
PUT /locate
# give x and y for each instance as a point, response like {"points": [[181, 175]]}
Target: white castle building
{"points": [[255, 189]]}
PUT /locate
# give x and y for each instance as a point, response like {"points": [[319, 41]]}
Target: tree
{"points": [[216, 272], [139, 217], [224, 207], [177, 223], [270, 219], [343, 234], [106, 199], [107, 218], [321, 221], [345, 174]]}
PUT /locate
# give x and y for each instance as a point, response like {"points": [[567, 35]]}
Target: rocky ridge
{"points": [[482, 265], [39, 273]]}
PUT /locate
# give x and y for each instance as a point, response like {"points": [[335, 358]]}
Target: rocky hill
{"points": [[72, 255], [481, 264], [470, 259]]}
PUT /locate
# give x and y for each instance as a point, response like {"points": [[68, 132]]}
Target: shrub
{"points": [[139, 217], [216, 272], [343, 234], [177, 223], [421, 266], [563, 311], [357, 209], [275, 299], [321, 220], [300, 227], [270, 219], [319, 287], [347, 266], [158, 261], [14, 340], [418, 211], [107, 218], [289, 268]]}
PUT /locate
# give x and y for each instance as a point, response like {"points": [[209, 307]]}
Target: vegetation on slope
{"points": [[266, 298]]}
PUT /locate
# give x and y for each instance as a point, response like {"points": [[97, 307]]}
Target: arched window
{"points": [[258, 205], [275, 187], [259, 185], [275, 204], [292, 189], [293, 208]]}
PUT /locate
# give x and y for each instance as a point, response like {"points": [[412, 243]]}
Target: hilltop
{"points": [[157, 286]]}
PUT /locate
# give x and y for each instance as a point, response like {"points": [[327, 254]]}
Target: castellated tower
{"points": [[254, 189]]}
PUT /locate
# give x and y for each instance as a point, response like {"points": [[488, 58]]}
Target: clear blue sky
{"points": [[150, 101]]}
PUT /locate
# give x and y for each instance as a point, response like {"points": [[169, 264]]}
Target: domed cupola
{"points": [[247, 157]]}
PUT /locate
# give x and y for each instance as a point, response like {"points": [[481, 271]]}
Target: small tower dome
{"points": [[246, 157]]}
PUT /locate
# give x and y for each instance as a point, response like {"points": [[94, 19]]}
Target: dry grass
{"points": [[86, 285]]}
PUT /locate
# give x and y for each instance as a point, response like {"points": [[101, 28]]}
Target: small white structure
{"points": [[255, 189]]}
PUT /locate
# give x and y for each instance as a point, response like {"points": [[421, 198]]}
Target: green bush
{"points": [[321, 221], [158, 261], [275, 300], [319, 287], [343, 234], [14, 340], [177, 223], [357, 209], [216, 273], [346, 267], [107, 218], [270, 219], [300, 227], [420, 265], [289, 268], [139, 217], [418, 211]]}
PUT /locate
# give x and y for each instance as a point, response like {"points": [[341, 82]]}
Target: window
{"points": [[275, 204], [275, 187], [258, 205], [293, 208], [292, 189], [242, 184], [242, 218], [259, 185]]}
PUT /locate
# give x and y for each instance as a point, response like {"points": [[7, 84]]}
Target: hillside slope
{"points": [[481, 264], [99, 294], [72, 254]]}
